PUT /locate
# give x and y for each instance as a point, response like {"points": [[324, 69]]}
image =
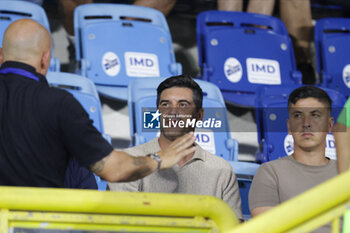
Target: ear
{"points": [[1, 57], [200, 114], [330, 124], [45, 62]]}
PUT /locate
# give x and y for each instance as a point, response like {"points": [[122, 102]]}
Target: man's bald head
{"points": [[27, 41]]}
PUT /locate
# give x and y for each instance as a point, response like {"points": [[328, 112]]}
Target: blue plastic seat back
{"points": [[12, 10], [83, 90], [332, 36], [117, 42], [272, 114], [241, 51], [142, 102], [129, 50], [94, 13]]}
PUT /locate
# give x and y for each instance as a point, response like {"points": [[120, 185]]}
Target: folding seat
{"points": [[142, 97], [12, 10], [116, 42], [85, 92], [332, 43], [271, 117], [240, 51]]}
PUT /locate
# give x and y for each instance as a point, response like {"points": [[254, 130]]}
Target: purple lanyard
{"points": [[19, 72]]}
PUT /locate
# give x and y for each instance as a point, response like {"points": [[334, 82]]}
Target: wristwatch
{"points": [[157, 158]]}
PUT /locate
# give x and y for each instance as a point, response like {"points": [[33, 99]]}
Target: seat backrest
{"points": [[332, 36], [242, 51], [83, 90], [12, 10], [142, 95], [245, 172], [272, 115], [115, 42], [94, 13]]}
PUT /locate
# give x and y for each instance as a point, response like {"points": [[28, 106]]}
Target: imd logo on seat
{"points": [[263, 71], [141, 64]]}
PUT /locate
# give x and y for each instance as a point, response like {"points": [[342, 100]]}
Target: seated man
{"points": [[199, 172], [277, 181]]}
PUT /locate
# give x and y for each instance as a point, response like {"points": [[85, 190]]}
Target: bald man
{"points": [[42, 127]]}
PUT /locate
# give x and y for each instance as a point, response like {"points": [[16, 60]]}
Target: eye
{"points": [[183, 105], [296, 115], [164, 104], [316, 115]]}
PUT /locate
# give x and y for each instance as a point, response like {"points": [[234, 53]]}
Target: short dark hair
{"points": [[307, 92], [182, 81]]}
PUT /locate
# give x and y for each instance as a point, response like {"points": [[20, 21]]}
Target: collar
{"points": [[23, 66]]}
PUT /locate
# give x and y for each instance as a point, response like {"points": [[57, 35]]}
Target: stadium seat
{"points": [[12, 10], [142, 97], [271, 117], [85, 92], [332, 36], [241, 51], [116, 42]]}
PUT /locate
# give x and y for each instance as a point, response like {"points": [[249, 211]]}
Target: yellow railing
{"points": [[306, 212], [39, 208]]}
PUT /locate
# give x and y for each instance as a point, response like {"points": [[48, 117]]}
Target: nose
{"points": [[173, 110], [306, 122]]}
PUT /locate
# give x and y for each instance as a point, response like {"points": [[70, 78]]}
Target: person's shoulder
{"points": [[333, 164], [49, 93], [277, 164], [58, 92], [143, 149], [53, 100], [213, 160]]}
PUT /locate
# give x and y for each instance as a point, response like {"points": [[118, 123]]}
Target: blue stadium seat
{"points": [[117, 42], [85, 92], [142, 97], [241, 51], [271, 117], [12, 10], [332, 36]]}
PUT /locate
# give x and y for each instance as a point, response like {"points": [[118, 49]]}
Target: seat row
{"points": [[237, 51]]}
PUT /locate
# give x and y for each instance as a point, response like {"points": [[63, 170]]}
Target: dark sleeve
{"points": [[78, 177], [80, 138]]}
